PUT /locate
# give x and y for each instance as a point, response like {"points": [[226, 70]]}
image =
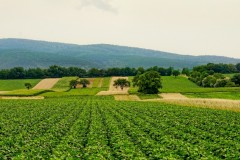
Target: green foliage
{"points": [[238, 67], [209, 81], [205, 79], [9, 85], [186, 71], [73, 83], [100, 128], [148, 82], [236, 79], [176, 73], [84, 82], [121, 82], [28, 85]]}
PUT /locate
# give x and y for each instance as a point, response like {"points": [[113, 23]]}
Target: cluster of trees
{"points": [[58, 72], [211, 75], [211, 80], [83, 82]]}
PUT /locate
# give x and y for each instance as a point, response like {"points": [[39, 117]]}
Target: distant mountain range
{"points": [[32, 53]]}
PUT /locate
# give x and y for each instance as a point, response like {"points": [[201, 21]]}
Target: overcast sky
{"points": [[197, 27]]}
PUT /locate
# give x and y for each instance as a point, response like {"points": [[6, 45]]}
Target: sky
{"points": [[192, 27]]}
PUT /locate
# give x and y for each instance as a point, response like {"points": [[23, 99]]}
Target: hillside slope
{"points": [[31, 53]]}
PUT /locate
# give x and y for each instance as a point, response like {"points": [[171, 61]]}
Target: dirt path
{"points": [[126, 98], [35, 97], [113, 90], [47, 83], [3, 92], [172, 96], [100, 83]]}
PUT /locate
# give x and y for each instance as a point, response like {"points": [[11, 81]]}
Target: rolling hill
{"points": [[32, 53]]}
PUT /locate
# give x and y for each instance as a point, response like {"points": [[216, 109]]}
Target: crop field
{"points": [[100, 128], [9, 85]]}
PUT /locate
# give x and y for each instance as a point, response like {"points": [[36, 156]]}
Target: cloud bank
{"points": [[104, 5]]}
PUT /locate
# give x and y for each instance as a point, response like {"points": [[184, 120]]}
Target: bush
{"points": [[209, 81], [236, 79]]}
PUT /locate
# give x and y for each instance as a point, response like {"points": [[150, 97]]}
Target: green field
{"points": [[100, 128], [63, 84], [9, 85], [61, 89], [183, 85], [24, 92]]}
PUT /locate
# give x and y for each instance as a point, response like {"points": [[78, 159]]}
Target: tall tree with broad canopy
{"points": [[84, 82], [73, 83], [149, 82], [121, 82], [28, 85]]}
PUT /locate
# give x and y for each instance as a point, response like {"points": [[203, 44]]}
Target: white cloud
{"points": [[104, 5]]}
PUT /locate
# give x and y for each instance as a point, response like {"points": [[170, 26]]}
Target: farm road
{"points": [[47, 83]]}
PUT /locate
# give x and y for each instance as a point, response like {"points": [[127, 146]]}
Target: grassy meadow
{"points": [[63, 84], [10, 85], [183, 85]]}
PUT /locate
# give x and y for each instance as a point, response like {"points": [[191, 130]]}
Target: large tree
{"points": [[73, 83], [149, 82], [28, 85], [121, 82], [84, 82]]}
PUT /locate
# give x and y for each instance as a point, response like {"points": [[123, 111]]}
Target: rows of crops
{"points": [[100, 128]]}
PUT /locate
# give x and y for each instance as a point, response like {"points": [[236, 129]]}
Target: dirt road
{"points": [[47, 83]]}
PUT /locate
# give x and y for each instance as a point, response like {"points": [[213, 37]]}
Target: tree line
{"points": [[58, 72]]}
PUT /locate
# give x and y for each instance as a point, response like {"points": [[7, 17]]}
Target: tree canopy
{"points": [[121, 82], [149, 82], [28, 85], [84, 82]]}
